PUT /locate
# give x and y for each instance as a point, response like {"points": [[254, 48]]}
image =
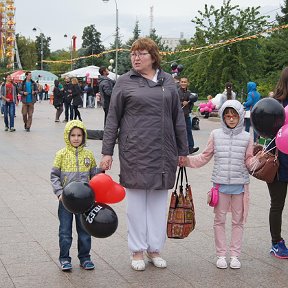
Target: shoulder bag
{"points": [[265, 165]]}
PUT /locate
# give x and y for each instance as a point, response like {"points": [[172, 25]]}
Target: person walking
{"points": [[105, 88], [252, 98], [72, 163], [232, 148], [228, 94], [152, 142], [187, 100], [58, 99], [9, 98], [28, 97], [67, 100], [46, 91], [76, 98], [278, 188]]}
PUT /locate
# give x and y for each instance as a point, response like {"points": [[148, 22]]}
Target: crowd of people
{"points": [[150, 117]]}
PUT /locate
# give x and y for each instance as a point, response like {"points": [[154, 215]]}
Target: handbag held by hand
{"points": [[181, 218], [265, 164], [213, 196]]}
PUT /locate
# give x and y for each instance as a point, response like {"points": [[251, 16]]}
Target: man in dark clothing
{"points": [[67, 99], [105, 88], [187, 100]]}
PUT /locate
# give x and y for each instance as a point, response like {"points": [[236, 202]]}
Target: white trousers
{"points": [[146, 219]]}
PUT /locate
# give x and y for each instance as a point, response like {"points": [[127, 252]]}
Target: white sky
{"points": [[58, 17]]}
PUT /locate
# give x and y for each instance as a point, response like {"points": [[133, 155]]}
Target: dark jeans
{"points": [[189, 132], [68, 109], [76, 113], [9, 112], [278, 192], [247, 128], [65, 236]]}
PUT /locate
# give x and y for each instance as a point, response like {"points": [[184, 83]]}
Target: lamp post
{"points": [[41, 38], [71, 51], [116, 38]]}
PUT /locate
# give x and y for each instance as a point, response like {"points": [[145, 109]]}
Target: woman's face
{"points": [[141, 61]]}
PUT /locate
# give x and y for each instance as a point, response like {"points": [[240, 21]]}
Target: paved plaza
{"points": [[29, 223]]}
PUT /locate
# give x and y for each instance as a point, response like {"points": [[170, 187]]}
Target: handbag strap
{"points": [[180, 172]]}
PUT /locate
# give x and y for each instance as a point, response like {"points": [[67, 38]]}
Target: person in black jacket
{"points": [[76, 98], [67, 99], [187, 100], [278, 188], [58, 99], [105, 88]]}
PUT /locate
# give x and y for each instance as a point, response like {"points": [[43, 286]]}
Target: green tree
{"points": [[158, 40], [27, 52], [46, 49], [240, 62], [91, 45], [59, 68]]}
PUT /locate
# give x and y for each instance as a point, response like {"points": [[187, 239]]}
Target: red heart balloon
{"points": [[115, 194], [100, 184]]}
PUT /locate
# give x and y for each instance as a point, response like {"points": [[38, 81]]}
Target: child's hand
{"points": [[106, 162]]}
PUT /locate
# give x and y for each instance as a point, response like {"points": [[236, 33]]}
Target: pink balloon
{"points": [[210, 110], [202, 105], [201, 110], [206, 108], [282, 139], [286, 115]]}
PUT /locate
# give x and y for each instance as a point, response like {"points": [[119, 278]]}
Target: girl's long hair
{"points": [[281, 89], [228, 87]]}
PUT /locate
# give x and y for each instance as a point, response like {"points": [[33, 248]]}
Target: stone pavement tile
{"points": [[6, 213], [6, 282], [44, 281], [15, 234], [11, 253]]}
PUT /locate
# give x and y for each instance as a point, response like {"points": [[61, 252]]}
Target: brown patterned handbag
{"points": [[181, 218]]}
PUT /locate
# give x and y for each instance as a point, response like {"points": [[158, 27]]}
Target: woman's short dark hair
{"points": [[148, 44]]}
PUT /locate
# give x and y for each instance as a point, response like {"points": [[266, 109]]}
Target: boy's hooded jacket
{"points": [[72, 164]]}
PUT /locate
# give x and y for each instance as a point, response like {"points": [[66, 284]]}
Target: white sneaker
{"points": [[235, 263], [221, 262]]}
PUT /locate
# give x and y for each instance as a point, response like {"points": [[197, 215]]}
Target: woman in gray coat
{"points": [[146, 110]]}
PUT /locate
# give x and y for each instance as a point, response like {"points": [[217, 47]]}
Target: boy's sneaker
{"points": [[66, 266], [12, 129], [235, 263], [221, 262], [87, 265], [279, 250]]}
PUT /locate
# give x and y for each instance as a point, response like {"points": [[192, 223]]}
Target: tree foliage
{"points": [[46, 49], [27, 52]]}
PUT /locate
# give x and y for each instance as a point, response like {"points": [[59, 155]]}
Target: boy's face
{"points": [[184, 83], [231, 119], [76, 137]]}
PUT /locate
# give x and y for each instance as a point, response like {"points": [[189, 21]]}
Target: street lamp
{"points": [[116, 38], [41, 38], [71, 51]]}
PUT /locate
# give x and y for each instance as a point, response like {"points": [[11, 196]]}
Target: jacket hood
{"points": [[236, 105], [251, 86], [69, 126]]}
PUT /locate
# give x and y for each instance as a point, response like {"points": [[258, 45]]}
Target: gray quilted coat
{"points": [[152, 130]]}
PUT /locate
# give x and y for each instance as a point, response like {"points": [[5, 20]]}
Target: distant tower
{"points": [[7, 32], [151, 19]]}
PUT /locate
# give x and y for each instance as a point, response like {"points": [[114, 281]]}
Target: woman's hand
{"points": [[106, 162], [182, 161]]}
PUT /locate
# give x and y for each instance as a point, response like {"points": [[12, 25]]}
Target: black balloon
{"points": [[100, 221], [173, 66], [78, 197], [180, 68], [267, 117]]}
